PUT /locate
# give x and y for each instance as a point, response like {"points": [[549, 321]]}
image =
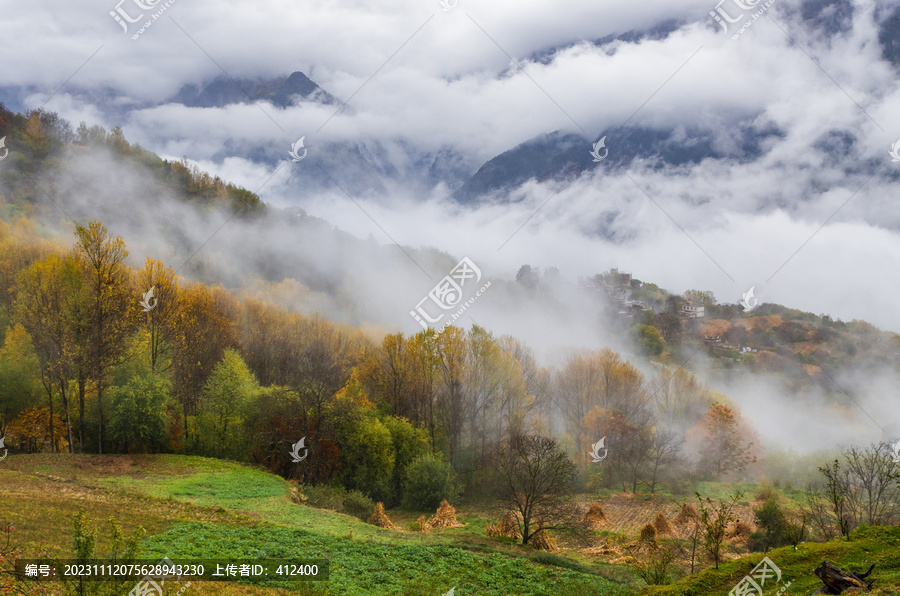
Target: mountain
{"points": [[559, 156], [280, 91], [657, 32], [374, 167]]}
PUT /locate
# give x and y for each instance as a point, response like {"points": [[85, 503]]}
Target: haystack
{"points": [[445, 517], [379, 518], [648, 535], [740, 530], [687, 513], [594, 516], [542, 541], [507, 527], [661, 524], [420, 525]]}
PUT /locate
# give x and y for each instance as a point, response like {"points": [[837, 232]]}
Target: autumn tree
{"points": [[30, 430], [19, 250], [451, 394], [163, 315], [534, 478], [268, 338], [20, 374], [110, 315], [35, 137], [326, 356], [426, 375], [720, 437], [47, 293], [680, 399], [387, 370], [204, 328], [487, 377], [601, 379], [526, 395], [629, 445]]}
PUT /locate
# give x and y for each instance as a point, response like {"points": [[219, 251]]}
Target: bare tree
{"points": [[874, 493], [715, 521], [534, 478], [837, 491], [816, 509], [663, 454]]}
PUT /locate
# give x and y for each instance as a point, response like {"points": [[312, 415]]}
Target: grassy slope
{"points": [[880, 546], [204, 508]]}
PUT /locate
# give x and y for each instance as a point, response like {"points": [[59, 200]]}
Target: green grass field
{"points": [[196, 508], [200, 508]]}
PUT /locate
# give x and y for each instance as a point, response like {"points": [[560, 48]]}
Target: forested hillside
{"points": [[102, 355]]}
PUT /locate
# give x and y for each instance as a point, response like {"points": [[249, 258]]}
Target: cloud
{"points": [[808, 210]]}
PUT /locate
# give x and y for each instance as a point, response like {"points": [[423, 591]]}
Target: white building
{"points": [[691, 311]]}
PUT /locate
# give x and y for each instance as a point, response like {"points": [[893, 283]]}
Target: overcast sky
{"points": [[416, 74]]}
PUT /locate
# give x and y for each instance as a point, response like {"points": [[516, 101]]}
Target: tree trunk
{"points": [[81, 383], [52, 434], [836, 580], [65, 400], [99, 417]]}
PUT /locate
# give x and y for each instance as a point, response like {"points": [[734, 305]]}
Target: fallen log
{"points": [[836, 580]]}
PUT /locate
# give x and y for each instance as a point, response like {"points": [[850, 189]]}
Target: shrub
{"points": [[429, 480], [338, 499], [654, 570], [357, 504], [771, 522], [766, 491], [325, 497]]}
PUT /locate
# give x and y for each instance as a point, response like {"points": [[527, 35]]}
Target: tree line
{"points": [[90, 362]]}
